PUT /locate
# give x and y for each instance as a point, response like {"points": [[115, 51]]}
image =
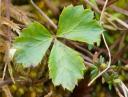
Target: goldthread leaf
{"points": [[66, 66], [78, 24], [32, 44]]}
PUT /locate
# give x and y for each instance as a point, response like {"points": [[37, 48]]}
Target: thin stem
{"points": [[4, 71], [115, 18], [118, 92], [88, 64], [121, 22], [124, 86], [124, 89], [0, 8], [92, 5], [87, 58], [118, 20], [6, 57], [44, 15], [82, 49], [109, 63], [103, 10], [115, 8]]}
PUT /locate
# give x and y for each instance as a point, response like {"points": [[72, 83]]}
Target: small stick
{"points": [[118, 92], [44, 15], [4, 71], [115, 8], [103, 10], [94, 7], [87, 59], [88, 64], [82, 49], [6, 58], [116, 19], [0, 8], [124, 89]]}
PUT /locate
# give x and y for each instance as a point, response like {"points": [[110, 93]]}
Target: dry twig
{"points": [[118, 91], [44, 15], [6, 58], [115, 8]]}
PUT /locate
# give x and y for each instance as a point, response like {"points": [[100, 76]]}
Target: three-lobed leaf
{"points": [[78, 24], [66, 66], [32, 44]]}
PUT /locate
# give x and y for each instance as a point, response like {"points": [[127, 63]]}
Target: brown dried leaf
{"points": [[11, 24], [17, 13]]}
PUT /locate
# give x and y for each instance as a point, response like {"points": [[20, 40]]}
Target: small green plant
{"points": [[66, 66]]}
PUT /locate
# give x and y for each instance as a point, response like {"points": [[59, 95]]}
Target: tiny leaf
{"points": [[32, 44], [66, 66], [78, 24]]}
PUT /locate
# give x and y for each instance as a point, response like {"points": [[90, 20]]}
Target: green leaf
{"points": [[66, 66], [78, 24], [32, 44]]}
